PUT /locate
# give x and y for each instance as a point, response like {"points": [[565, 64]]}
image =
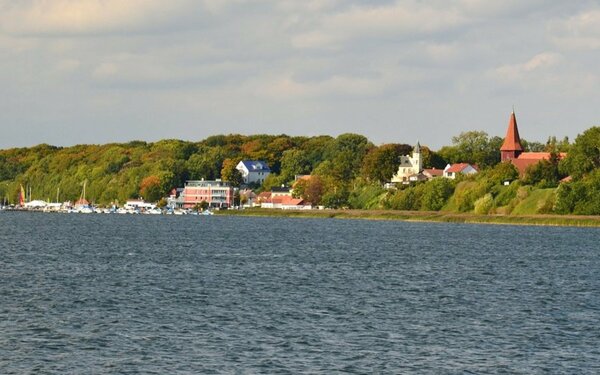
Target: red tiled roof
{"points": [[264, 196], [434, 171], [512, 141], [522, 164], [459, 167], [287, 200], [539, 155], [526, 159]]}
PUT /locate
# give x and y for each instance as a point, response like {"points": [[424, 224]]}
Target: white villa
{"points": [[409, 166], [253, 171]]}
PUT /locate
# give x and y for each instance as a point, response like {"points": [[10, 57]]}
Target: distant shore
{"points": [[427, 216]]}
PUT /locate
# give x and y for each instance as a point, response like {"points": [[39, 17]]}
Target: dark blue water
{"points": [[108, 294]]}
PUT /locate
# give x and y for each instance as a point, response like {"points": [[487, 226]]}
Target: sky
{"points": [[99, 71]]}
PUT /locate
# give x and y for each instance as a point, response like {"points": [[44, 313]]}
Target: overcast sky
{"points": [[98, 71]]}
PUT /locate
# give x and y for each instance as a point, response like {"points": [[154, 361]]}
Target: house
{"points": [[280, 191], [433, 173], [253, 171], [216, 193], [451, 171], [286, 202], [417, 177], [512, 151], [409, 166], [248, 196]]}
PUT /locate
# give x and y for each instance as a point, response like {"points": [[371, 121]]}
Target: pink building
{"points": [[216, 193]]}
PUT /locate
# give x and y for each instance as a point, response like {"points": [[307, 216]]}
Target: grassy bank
{"points": [[445, 217]]}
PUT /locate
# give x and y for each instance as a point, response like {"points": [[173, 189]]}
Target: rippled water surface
{"points": [[104, 294]]}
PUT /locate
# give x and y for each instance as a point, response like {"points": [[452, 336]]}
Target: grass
{"points": [[534, 201], [431, 216]]}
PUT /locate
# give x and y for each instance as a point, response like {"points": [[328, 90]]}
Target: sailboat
{"points": [[82, 205]]}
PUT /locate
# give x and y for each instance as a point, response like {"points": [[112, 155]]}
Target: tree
{"points": [[584, 154], [381, 162], [206, 163], [502, 172], [543, 174], [474, 147], [294, 162], [311, 189], [229, 173], [150, 188], [436, 193]]}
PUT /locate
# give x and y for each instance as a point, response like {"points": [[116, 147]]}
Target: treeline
{"points": [[348, 171]]}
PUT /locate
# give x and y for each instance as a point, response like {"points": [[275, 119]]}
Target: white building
{"points": [[138, 204], [409, 166], [451, 171], [253, 171]]}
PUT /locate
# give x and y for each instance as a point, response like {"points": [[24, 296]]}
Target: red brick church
{"points": [[512, 150]]}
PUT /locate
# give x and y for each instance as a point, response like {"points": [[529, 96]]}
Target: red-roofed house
{"points": [[433, 173], [511, 150], [286, 202], [451, 171]]}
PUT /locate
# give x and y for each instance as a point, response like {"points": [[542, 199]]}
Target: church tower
{"points": [[417, 160], [511, 148]]}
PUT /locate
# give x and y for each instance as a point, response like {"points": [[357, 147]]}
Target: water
{"points": [[119, 294]]}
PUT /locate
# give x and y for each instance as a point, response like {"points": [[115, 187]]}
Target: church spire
{"points": [[511, 148]]}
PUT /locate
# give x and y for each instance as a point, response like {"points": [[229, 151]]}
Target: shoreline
{"points": [[424, 216]]}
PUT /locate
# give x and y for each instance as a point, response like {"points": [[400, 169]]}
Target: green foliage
{"points": [[580, 197], [229, 172], [536, 201], [408, 199], [380, 163], [466, 193], [311, 190], [501, 172], [346, 171], [484, 204], [544, 174], [503, 195], [366, 196], [584, 154], [294, 162], [436, 193], [474, 147]]}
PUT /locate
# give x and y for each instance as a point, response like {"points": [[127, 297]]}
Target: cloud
{"points": [[536, 63], [581, 31], [398, 20], [84, 17], [287, 87], [548, 73]]}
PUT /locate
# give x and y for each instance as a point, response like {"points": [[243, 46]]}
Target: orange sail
{"points": [[22, 196]]}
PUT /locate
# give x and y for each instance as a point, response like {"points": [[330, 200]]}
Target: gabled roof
{"points": [[526, 159], [522, 164], [512, 141], [287, 200], [459, 167], [256, 165], [539, 155], [264, 196], [433, 172]]}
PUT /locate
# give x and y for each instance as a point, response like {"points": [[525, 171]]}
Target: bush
{"points": [[484, 204], [436, 193]]}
